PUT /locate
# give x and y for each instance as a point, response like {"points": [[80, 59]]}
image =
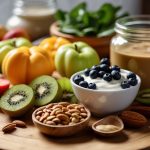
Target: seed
{"points": [[57, 106], [68, 114], [56, 120], [44, 110], [39, 112], [84, 115], [45, 121], [50, 123], [64, 104], [50, 118], [83, 110], [54, 111], [19, 123], [64, 109], [71, 123], [76, 115], [48, 110], [65, 122], [70, 107], [49, 106], [38, 117], [82, 119], [75, 120], [58, 112], [63, 117], [44, 116], [74, 111], [9, 128]]}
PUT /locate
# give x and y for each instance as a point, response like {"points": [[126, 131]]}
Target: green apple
{"points": [[74, 57], [22, 42], [8, 45]]}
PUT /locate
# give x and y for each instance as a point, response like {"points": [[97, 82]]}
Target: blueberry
{"points": [[78, 78], [83, 84], [115, 67], [116, 75], [96, 67], [101, 74], [131, 75], [125, 84], [93, 74], [107, 77], [87, 71], [92, 86], [132, 81], [104, 67], [105, 61]]}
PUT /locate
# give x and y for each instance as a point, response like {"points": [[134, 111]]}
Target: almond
{"points": [[144, 110], [133, 119], [9, 128], [19, 123]]}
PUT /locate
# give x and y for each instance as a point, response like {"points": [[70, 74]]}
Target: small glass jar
{"points": [[35, 16], [130, 48]]}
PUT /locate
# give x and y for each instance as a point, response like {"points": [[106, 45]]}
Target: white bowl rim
{"points": [[105, 91]]}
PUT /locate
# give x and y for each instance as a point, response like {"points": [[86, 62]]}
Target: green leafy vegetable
{"points": [[81, 22]]}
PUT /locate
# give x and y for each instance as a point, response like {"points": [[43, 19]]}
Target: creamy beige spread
{"points": [[107, 128], [134, 57]]}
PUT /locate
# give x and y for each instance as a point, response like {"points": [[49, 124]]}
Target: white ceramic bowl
{"points": [[104, 102]]}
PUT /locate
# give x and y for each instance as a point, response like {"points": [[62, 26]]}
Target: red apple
{"points": [[17, 32], [4, 85]]}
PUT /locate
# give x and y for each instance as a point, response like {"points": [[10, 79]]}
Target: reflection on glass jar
{"points": [[130, 48], [33, 15]]}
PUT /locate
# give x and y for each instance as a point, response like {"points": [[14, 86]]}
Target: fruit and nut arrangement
{"points": [[62, 113], [101, 75], [28, 82]]}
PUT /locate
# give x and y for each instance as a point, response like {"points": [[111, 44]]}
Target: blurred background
{"points": [[132, 6]]}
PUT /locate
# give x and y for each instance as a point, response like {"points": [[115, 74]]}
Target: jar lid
{"points": [[134, 27]]}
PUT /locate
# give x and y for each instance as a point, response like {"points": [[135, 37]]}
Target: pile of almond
{"points": [[62, 113], [12, 126]]}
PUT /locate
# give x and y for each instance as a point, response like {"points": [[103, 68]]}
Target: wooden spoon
{"points": [[108, 126]]}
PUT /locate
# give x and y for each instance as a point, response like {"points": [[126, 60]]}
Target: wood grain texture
{"points": [[31, 138]]}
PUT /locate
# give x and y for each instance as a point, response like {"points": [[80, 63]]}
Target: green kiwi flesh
{"points": [[17, 100], [144, 96], [46, 90], [65, 84], [70, 97]]}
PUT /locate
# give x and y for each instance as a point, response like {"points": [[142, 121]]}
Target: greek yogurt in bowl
{"points": [[107, 95]]}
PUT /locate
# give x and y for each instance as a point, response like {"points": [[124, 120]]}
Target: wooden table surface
{"points": [[31, 139]]}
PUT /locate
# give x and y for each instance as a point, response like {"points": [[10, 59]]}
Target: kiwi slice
{"points": [[69, 97], [17, 100], [68, 94], [46, 90], [144, 96], [65, 84]]}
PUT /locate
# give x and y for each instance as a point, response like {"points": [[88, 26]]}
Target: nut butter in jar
{"points": [[130, 48]]}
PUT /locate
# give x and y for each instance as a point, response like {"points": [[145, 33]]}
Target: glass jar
{"points": [[130, 48], [33, 15]]}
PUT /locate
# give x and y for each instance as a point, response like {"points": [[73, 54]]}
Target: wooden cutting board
{"points": [[31, 139]]}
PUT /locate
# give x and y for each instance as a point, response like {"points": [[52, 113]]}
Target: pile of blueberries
{"points": [[107, 73]]}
